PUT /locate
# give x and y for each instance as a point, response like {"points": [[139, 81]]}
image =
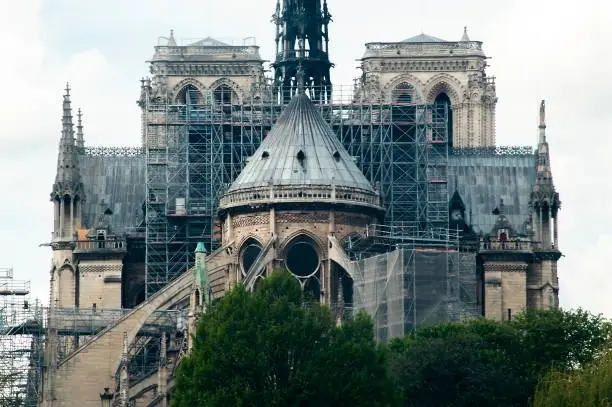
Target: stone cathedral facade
{"points": [[126, 220]]}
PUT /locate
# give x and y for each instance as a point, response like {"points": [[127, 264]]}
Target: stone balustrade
{"points": [[306, 193]]}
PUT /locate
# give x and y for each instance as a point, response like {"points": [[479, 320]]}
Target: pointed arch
{"points": [[220, 87], [302, 232], [249, 249], [180, 89], [444, 83], [407, 79]]}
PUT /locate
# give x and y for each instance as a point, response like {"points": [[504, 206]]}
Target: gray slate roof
{"points": [[301, 128], [483, 180], [119, 181], [423, 38]]}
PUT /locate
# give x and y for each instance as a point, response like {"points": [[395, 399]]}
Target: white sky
{"points": [[538, 49]]}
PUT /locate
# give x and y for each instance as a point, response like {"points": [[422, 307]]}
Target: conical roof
{"points": [[301, 160], [301, 149]]}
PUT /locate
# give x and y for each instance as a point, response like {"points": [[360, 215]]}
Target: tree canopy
{"points": [[486, 363], [267, 348]]}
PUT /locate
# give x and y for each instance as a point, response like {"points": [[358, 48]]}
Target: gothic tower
{"points": [[450, 75], [302, 39]]}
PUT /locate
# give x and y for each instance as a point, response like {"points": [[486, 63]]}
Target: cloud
{"points": [[539, 51]]}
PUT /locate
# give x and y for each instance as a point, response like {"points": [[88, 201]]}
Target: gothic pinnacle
{"points": [[67, 178], [80, 142], [542, 138]]}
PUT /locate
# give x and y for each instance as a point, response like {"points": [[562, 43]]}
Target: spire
{"points": [[171, 40], [544, 181], [543, 193], [124, 384], [80, 142], [67, 178], [300, 23], [542, 127], [464, 37]]}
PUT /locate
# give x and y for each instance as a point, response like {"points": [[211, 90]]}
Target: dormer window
{"points": [[101, 234]]}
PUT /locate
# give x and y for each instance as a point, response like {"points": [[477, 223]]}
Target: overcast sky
{"points": [[538, 49]]}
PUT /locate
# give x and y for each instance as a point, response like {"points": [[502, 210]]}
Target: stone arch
{"points": [[249, 236], [66, 276], [303, 256], [176, 90], [249, 241], [292, 236], [237, 92], [409, 79], [443, 83]]}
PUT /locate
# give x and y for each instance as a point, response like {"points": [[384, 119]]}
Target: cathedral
{"points": [[390, 197]]}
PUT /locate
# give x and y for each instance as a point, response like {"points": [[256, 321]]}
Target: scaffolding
{"points": [[21, 341], [196, 145], [421, 280]]}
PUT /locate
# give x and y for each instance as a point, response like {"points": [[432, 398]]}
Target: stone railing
{"points": [[307, 193], [115, 244], [459, 48], [229, 52], [506, 245]]}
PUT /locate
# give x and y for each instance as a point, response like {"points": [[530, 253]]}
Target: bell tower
{"points": [[302, 40]]}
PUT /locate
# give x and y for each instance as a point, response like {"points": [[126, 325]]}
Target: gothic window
{"points": [[223, 95], [189, 95], [302, 257], [403, 93], [248, 254], [442, 112]]}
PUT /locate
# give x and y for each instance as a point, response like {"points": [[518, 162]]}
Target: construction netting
{"points": [[409, 287]]}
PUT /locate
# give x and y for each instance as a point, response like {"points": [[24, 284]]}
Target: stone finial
{"points": [[80, 142], [464, 37], [171, 40]]}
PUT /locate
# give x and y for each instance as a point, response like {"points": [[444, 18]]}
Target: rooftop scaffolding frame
{"points": [[21, 340], [196, 145]]}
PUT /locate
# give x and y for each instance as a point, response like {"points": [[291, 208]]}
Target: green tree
{"points": [[486, 363], [267, 349], [588, 386]]}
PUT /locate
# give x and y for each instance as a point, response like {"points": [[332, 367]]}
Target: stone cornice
{"points": [[548, 255]]}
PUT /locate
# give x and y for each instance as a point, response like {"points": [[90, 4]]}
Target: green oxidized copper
{"points": [[201, 275]]}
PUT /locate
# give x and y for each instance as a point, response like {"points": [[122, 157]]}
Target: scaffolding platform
{"points": [[197, 145], [21, 342]]}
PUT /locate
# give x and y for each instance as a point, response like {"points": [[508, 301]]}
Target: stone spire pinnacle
{"points": [[67, 178], [542, 127], [543, 170], [124, 384], [543, 192], [464, 37], [171, 40], [80, 142]]}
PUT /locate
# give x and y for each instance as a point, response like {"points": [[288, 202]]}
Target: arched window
{"points": [[223, 95], [248, 254], [402, 93], [442, 110], [189, 95]]}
